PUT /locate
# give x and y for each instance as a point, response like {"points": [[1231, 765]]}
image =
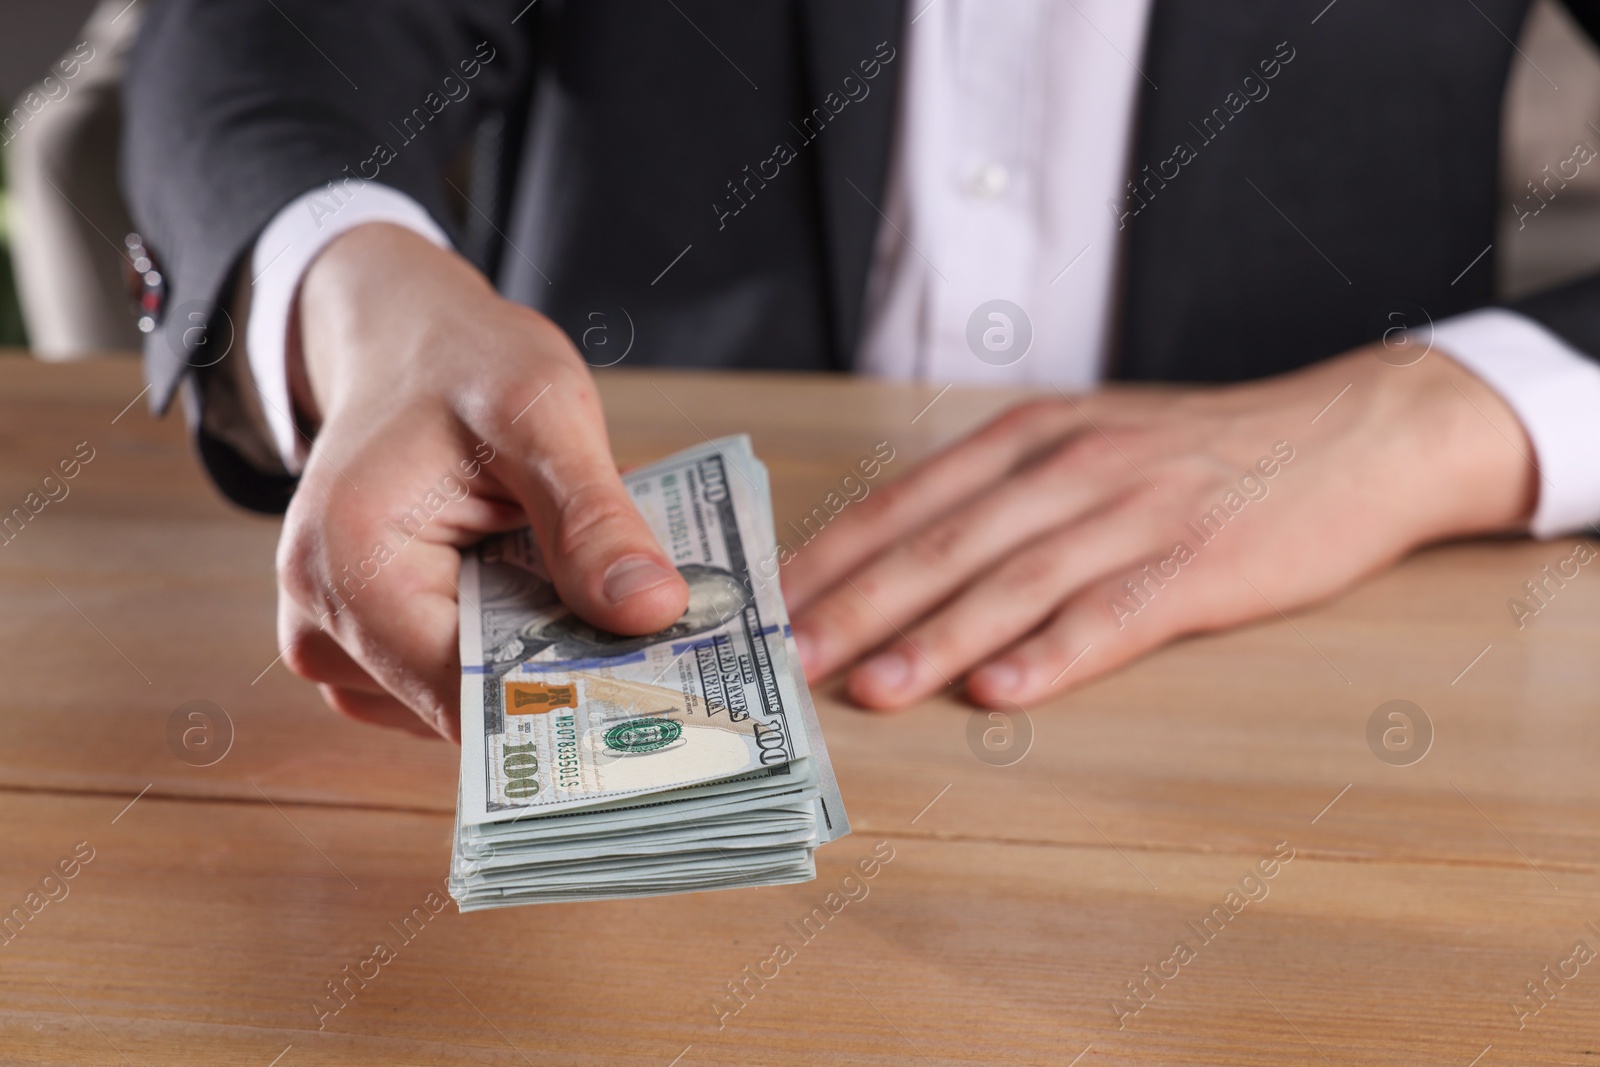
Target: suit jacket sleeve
{"points": [[1570, 311], [233, 109]]}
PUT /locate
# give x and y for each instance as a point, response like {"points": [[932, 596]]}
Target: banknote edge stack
{"points": [[708, 839]]}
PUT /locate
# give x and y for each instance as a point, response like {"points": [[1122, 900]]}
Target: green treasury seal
{"points": [[643, 735]]}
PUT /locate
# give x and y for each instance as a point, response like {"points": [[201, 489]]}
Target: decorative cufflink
{"points": [[147, 288]]}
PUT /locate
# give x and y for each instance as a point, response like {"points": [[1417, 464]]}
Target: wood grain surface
{"points": [[1020, 900]]}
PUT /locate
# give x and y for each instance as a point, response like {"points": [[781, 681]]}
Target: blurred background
{"points": [[63, 260], [62, 287]]}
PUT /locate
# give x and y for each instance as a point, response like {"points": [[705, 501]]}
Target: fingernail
{"points": [[889, 671], [632, 575], [808, 651], [999, 678]]}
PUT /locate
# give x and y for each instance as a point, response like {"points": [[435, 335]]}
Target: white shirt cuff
{"points": [[1554, 390], [283, 253]]}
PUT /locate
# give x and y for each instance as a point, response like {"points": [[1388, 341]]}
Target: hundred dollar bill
{"points": [[832, 823], [557, 716]]}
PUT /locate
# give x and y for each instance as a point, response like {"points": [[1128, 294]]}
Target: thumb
{"points": [[605, 562]]}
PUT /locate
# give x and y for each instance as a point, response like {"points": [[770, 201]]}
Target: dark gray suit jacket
{"points": [[611, 135]]}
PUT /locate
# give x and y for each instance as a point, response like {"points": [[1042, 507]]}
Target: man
{"points": [[1053, 193]]}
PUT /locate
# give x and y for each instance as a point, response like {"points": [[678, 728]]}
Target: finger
{"points": [[1009, 602], [315, 656], [556, 461], [933, 488], [1104, 627], [378, 710], [401, 628], [908, 580], [386, 599], [1073, 648]]}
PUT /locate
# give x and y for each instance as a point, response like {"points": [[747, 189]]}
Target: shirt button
{"points": [[990, 181]]}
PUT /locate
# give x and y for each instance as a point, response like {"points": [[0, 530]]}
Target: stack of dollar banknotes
{"points": [[595, 765]]}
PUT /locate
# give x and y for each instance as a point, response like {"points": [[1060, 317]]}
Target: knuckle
{"points": [[887, 499], [298, 543], [316, 533], [846, 617], [1091, 448], [299, 565], [343, 702], [1056, 647], [872, 586], [508, 405], [1029, 574], [937, 546], [591, 514], [942, 641], [1029, 415], [304, 656], [420, 699]]}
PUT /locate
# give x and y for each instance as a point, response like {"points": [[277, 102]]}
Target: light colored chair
{"points": [[1552, 106], [68, 219]]}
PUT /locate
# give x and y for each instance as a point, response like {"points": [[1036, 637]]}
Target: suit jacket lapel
{"points": [[852, 150], [1195, 53]]}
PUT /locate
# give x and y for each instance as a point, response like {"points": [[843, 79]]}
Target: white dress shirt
{"points": [[1015, 130], [1014, 135]]}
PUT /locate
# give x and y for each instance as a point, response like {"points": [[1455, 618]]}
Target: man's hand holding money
{"points": [[412, 367]]}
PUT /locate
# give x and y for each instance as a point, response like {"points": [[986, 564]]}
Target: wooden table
{"points": [[221, 900]]}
